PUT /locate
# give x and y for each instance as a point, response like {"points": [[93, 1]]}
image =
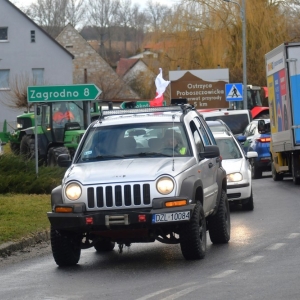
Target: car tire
{"points": [[219, 224], [104, 246], [66, 249], [276, 176], [256, 172], [193, 235], [248, 204]]}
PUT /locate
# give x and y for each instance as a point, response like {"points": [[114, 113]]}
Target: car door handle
{"points": [[210, 165]]}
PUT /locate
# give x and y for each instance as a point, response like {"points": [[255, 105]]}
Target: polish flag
{"points": [[161, 86]]}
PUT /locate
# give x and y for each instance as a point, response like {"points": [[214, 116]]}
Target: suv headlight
{"points": [[73, 191], [233, 177], [165, 185]]}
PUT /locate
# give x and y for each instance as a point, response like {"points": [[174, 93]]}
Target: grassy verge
{"points": [[22, 215], [24, 197]]}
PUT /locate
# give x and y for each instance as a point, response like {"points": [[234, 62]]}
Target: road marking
{"points": [[165, 290], [293, 235], [223, 274], [253, 259], [187, 291], [276, 246]]}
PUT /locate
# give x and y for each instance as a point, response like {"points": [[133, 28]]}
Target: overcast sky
{"points": [[140, 2]]}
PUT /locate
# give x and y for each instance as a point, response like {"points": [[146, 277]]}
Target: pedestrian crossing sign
{"points": [[234, 91]]}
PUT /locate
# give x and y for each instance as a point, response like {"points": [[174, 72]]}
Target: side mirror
{"points": [[251, 154], [210, 152], [241, 138], [38, 110], [64, 160], [261, 126]]}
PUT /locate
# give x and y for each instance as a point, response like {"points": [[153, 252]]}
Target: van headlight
{"points": [[234, 177], [73, 191], [165, 185]]}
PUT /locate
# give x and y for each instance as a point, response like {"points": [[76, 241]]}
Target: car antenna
{"points": [[173, 167]]}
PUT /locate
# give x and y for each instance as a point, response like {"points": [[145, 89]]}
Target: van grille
{"points": [[119, 196]]}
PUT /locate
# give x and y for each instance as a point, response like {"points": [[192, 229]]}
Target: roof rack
{"points": [[184, 108]]}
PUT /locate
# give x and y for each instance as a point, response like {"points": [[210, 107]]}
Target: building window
{"points": [[38, 76], [32, 36], [4, 79], [3, 33]]}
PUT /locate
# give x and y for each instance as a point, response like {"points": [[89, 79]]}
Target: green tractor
{"points": [[14, 138], [54, 136]]}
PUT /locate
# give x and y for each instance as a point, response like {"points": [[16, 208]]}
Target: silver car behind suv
{"points": [[141, 175]]}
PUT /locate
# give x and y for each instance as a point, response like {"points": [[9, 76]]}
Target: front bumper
{"points": [[238, 191], [85, 221]]}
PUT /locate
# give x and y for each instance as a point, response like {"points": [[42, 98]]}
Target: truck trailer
{"points": [[283, 80]]}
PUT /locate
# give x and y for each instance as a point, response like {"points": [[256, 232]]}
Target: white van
{"points": [[236, 120]]}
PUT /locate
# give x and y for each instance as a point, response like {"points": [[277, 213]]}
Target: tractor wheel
{"points": [[15, 148], [53, 154], [27, 147]]}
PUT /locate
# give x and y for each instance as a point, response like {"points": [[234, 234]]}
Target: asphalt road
{"points": [[261, 261]]}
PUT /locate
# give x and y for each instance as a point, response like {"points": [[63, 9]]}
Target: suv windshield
{"points": [[134, 140]]}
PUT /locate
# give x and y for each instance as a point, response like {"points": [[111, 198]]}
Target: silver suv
{"points": [[141, 175]]}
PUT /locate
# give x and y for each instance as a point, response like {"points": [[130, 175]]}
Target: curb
{"points": [[8, 248]]}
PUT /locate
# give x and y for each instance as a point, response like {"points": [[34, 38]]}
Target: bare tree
{"points": [[138, 23], [112, 88], [101, 15], [76, 12], [54, 15], [125, 15], [50, 15], [16, 97], [156, 13]]}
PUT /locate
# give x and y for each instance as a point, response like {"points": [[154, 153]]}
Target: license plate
{"points": [[171, 217]]}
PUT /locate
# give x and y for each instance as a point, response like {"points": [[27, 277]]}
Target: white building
{"points": [[27, 54]]}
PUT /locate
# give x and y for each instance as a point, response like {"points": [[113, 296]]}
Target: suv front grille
{"points": [[119, 196]]}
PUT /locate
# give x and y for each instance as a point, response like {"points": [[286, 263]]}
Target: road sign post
{"points": [[54, 93]]}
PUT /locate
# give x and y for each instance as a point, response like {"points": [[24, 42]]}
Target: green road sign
{"points": [[54, 93], [140, 104]]}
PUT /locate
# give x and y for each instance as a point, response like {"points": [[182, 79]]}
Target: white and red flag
{"points": [[161, 86]]}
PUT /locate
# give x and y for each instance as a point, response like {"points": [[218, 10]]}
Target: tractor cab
{"points": [[62, 126]]}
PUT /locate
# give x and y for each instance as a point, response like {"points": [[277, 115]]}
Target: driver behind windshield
{"points": [[63, 115], [173, 139]]}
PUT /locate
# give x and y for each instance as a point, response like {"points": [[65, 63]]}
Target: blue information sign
{"points": [[234, 91]]}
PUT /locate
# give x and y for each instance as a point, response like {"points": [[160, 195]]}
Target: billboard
{"points": [[202, 88]]}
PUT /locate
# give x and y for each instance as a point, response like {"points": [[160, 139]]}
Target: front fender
{"points": [[56, 196], [189, 189]]}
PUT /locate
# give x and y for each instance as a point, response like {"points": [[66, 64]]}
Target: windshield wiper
{"points": [[142, 154], [99, 157]]}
